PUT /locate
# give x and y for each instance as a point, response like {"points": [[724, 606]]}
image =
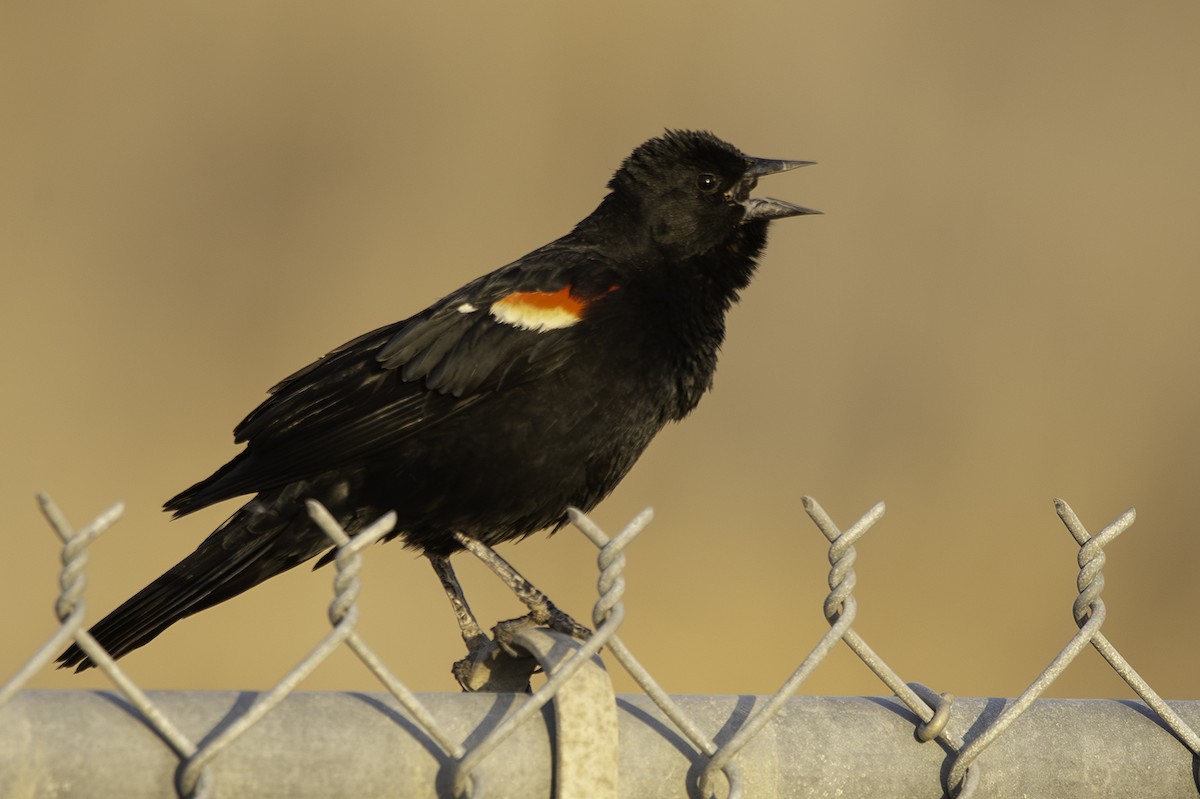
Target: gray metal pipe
{"points": [[91, 744]]}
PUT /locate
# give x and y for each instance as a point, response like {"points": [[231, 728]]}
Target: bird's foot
{"points": [[497, 664], [491, 667], [505, 632]]}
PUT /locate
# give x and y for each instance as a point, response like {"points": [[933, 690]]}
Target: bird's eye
{"points": [[707, 182]]}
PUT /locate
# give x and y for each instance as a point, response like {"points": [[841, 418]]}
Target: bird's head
{"points": [[691, 190]]}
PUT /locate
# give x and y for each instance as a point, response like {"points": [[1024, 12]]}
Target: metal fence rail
{"points": [[60, 743], [572, 737]]}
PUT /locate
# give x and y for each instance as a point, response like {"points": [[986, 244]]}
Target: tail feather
{"points": [[250, 547], [221, 485]]}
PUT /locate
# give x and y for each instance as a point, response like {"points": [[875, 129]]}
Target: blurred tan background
{"points": [[999, 307]]}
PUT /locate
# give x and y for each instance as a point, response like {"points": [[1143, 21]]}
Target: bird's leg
{"points": [[541, 610], [488, 666], [473, 635]]}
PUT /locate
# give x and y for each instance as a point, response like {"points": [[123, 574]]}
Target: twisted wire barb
{"points": [[840, 603], [345, 582], [840, 600], [70, 609], [840, 610], [611, 561], [607, 616], [1089, 612], [1091, 583], [344, 615]]}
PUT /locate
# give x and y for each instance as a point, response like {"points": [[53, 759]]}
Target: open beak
{"points": [[766, 207], [761, 167]]}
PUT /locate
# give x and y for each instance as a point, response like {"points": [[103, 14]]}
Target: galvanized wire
{"points": [[841, 610], [611, 587], [69, 606], [70, 609], [1089, 612], [462, 769], [612, 562], [343, 613], [1090, 583]]}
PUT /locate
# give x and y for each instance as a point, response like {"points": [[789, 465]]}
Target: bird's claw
{"points": [[493, 668], [498, 664], [561, 622], [505, 632]]}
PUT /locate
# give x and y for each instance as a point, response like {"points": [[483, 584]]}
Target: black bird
{"points": [[482, 418]]}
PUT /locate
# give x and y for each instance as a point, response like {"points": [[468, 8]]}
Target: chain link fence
{"points": [[572, 737]]}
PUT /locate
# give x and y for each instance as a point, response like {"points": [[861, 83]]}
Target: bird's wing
{"points": [[513, 326]]}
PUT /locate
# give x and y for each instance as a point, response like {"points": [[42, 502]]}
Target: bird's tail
{"points": [[257, 542]]}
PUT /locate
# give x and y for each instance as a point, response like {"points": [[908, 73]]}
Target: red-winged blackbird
{"points": [[533, 388]]}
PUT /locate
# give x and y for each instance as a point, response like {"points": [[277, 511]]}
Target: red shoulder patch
{"points": [[539, 310]]}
